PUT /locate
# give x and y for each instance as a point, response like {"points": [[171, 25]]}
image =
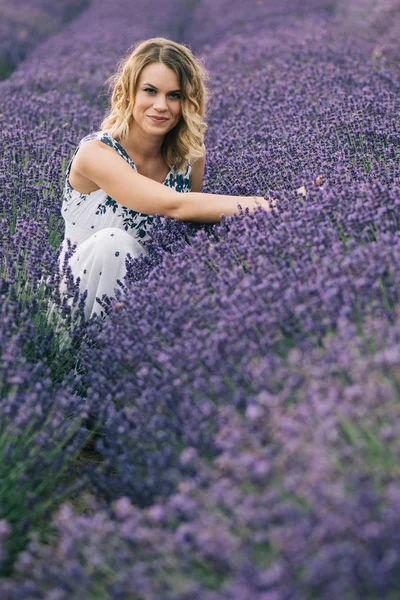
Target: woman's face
{"points": [[158, 94]]}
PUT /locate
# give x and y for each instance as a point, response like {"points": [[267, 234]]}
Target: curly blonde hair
{"points": [[186, 140]]}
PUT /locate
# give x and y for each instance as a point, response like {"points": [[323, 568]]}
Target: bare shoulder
{"points": [[92, 148], [197, 172], [94, 155], [77, 177]]}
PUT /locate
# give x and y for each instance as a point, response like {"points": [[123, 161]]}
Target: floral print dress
{"points": [[105, 231]]}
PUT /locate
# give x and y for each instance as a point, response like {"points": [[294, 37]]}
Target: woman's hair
{"points": [[186, 139]]}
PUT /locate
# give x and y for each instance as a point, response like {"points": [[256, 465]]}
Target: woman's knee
{"points": [[117, 241], [110, 247]]}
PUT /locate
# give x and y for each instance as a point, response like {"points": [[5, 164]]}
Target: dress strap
{"points": [[110, 141]]}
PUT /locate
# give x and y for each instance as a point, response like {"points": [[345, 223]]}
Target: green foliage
{"points": [[29, 495]]}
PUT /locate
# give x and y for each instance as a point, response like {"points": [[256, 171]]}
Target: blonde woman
{"points": [[147, 159]]}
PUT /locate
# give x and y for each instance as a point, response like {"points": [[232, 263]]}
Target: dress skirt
{"points": [[99, 262]]}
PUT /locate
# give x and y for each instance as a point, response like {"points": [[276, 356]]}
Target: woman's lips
{"points": [[157, 120]]}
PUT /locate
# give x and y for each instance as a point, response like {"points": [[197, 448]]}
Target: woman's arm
{"points": [[101, 165]]}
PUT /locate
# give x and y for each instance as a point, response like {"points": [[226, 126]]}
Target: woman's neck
{"points": [[145, 148]]}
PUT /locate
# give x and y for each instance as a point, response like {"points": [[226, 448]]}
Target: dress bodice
{"points": [[85, 214]]}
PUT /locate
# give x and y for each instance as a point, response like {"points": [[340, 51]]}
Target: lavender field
{"points": [[231, 431]]}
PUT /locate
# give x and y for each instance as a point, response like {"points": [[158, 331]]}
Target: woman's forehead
{"points": [[159, 75]]}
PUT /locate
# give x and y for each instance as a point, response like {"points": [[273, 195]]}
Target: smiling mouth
{"points": [[158, 120]]}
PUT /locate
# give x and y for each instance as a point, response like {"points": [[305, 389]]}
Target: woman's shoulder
{"points": [[102, 136], [94, 135]]}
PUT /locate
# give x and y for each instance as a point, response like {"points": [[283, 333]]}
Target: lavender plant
{"points": [[41, 433]]}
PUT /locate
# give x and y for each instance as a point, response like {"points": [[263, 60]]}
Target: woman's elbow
{"points": [[175, 208]]}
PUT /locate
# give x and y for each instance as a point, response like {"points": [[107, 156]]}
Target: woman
{"points": [[148, 159]]}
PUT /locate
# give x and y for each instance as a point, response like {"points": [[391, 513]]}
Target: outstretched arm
{"points": [[101, 165]]}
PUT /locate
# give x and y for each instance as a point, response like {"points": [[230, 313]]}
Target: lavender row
{"points": [[313, 107], [376, 22], [25, 25], [364, 21], [227, 21], [41, 433], [41, 416], [302, 500]]}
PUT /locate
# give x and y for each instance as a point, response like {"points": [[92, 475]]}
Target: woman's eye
{"points": [[174, 95]]}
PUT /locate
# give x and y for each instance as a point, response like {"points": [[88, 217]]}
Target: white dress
{"points": [[105, 231]]}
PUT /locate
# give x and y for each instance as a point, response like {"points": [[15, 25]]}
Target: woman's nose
{"points": [[160, 102]]}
